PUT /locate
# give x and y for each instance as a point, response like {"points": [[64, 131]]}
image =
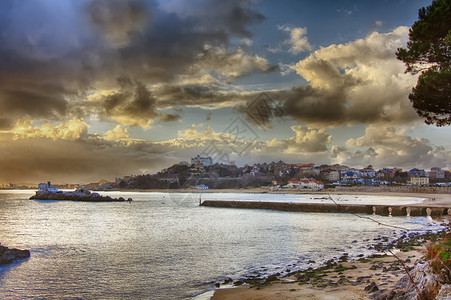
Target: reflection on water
{"points": [[164, 246]]}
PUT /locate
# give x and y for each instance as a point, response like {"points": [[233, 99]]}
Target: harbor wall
{"points": [[383, 210]]}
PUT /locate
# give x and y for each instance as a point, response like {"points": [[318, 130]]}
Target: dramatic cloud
{"points": [[229, 65], [118, 20], [53, 56], [116, 134], [229, 16], [306, 140], [132, 105], [202, 96], [357, 82], [389, 146], [70, 130]]}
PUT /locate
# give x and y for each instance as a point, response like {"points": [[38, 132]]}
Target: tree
{"points": [[429, 52]]}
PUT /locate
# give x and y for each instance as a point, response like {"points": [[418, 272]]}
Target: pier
{"points": [[383, 210]]}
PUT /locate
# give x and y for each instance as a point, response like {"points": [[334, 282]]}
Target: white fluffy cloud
{"points": [[117, 133], [298, 41], [305, 140]]}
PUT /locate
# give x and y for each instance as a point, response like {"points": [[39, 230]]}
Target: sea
{"points": [[163, 245]]}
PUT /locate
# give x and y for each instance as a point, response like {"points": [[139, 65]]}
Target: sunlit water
{"points": [[165, 246]]}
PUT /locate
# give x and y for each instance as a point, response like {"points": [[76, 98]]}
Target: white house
{"points": [[206, 161], [419, 180], [201, 187], [47, 187], [293, 184]]}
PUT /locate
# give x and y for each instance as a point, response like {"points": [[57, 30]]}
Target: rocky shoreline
{"points": [[9, 255], [385, 276], [78, 195]]}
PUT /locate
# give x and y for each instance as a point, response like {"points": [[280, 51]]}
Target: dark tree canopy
{"points": [[429, 52]]}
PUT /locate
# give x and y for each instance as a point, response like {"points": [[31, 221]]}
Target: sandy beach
{"points": [[360, 279], [432, 199]]}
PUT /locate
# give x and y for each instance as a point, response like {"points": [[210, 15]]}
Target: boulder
{"points": [[8, 255], [426, 280]]}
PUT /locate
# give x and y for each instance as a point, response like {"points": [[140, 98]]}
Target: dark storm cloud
{"points": [[118, 20], [32, 103], [133, 105], [200, 95], [81, 46]]}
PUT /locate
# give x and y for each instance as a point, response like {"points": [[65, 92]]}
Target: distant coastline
{"points": [[434, 196]]}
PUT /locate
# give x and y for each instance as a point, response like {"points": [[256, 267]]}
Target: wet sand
{"points": [[337, 283]]}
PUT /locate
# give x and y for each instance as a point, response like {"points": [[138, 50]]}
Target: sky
{"points": [[98, 89]]}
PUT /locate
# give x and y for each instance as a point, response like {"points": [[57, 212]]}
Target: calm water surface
{"points": [[164, 246]]}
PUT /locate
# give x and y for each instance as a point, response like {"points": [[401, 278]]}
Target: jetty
{"points": [[383, 210]]}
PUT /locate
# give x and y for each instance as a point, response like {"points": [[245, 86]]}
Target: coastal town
{"points": [[204, 173]]}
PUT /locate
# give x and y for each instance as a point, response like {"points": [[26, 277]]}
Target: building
{"points": [[419, 180], [316, 184], [417, 173], [205, 161], [47, 187], [293, 184], [436, 173], [333, 175], [201, 187]]}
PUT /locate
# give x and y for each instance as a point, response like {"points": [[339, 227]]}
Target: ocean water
{"points": [[165, 246]]}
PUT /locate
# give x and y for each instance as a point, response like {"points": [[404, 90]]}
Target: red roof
{"points": [[307, 165]]}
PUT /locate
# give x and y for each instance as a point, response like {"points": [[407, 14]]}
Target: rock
{"points": [[238, 282], [344, 257], [217, 285], [342, 281], [303, 278], [371, 288], [330, 262], [379, 295], [228, 280], [444, 293], [78, 195], [375, 267], [8, 255], [426, 281], [363, 278], [272, 278]]}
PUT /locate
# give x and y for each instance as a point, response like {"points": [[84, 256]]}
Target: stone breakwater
{"points": [[383, 210], [76, 196], [8, 255]]}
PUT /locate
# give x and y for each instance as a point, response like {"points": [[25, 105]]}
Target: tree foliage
{"points": [[429, 52]]}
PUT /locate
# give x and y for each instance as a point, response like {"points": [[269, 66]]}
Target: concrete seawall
{"points": [[383, 210]]}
